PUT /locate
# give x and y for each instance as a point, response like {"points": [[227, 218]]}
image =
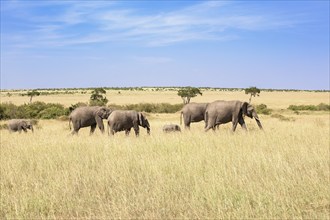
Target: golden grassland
{"points": [[281, 172]]}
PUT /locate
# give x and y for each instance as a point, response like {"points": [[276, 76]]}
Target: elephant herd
{"points": [[118, 120], [214, 114]]}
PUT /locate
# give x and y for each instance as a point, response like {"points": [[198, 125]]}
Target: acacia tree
{"points": [[98, 97], [253, 91], [187, 93], [32, 93]]}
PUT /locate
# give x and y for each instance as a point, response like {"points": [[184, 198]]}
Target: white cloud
{"points": [[101, 22]]}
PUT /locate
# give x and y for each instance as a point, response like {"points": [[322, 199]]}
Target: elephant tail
{"points": [[108, 128], [181, 115], [70, 119], [206, 118]]}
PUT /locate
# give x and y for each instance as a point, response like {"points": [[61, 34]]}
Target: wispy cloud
{"points": [[54, 24]]}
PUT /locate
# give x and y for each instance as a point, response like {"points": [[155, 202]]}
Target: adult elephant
{"points": [[86, 116], [19, 125], [192, 112], [221, 112], [124, 120]]}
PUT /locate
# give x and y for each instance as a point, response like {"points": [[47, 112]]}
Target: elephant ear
{"points": [[24, 124], [244, 108], [101, 112]]}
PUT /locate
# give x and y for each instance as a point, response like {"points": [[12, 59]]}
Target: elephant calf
{"points": [[19, 125], [124, 120], [171, 128]]}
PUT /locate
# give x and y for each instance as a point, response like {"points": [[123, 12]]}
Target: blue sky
{"points": [[236, 44]]}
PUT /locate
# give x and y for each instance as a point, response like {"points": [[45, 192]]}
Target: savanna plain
{"points": [[281, 172]]}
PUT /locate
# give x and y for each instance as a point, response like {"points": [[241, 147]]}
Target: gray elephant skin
{"points": [[19, 125], [171, 128], [88, 116], [124, 120], [193, 112], [221, 112]]}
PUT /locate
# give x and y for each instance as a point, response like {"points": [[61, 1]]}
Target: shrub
{"points": [[323, 107], [34, 110], [319, 107], [52, 112], [9, 110], [262, 109]]}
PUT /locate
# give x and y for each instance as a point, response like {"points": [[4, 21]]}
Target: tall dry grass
{"points": [[280, 173]]}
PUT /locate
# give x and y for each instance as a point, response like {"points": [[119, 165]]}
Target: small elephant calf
{"points": [[19, 125], [171, 128]]}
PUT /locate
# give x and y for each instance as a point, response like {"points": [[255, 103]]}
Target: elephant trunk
{"points": [[32, 128], [257, 120]]}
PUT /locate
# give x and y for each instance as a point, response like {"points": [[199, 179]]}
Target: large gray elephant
{"points": [[124, 120], [221, 112], [19, 125], [192, 112], [86, 116]]}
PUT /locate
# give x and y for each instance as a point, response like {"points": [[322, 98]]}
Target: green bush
{"points": [[35, 110], [262, 109], [9, 111], [319, 107], [323, 107], [52, 112]]}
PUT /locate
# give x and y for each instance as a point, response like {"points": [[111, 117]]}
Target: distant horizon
{"points": [[165, 87]]}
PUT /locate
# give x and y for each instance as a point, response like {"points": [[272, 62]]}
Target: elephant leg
{"points": [[74, 132], [242, 123], [76, 127], [92, 129], [127, 131], [136, 130], [235, 122], [187, 122], [207, 128]]}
